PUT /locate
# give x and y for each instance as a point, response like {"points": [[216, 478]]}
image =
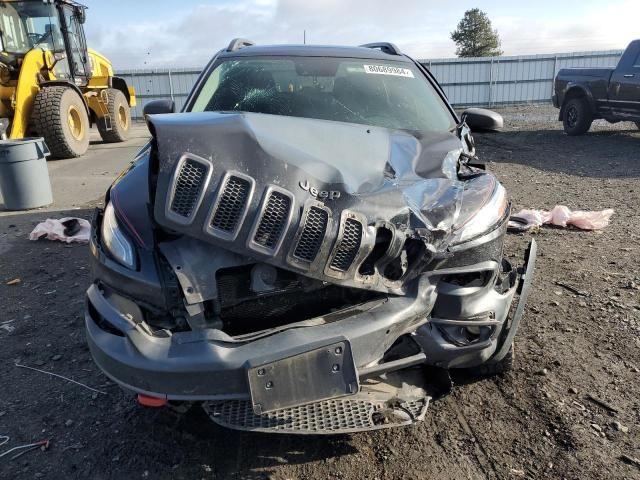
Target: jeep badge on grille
{"points": [[328, 194]]}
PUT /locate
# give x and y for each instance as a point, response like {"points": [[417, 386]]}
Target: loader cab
{"points": [[53, 26]]}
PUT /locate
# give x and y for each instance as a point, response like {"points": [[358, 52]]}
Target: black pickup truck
{"points": [[585, 94]]}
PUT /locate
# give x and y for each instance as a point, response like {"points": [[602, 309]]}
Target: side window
{"points": [[76, 43], [15, 38], [44, 32], [636, 62]]}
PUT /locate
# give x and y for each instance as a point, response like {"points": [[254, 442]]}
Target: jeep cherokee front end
{"points": [[297, 245]]}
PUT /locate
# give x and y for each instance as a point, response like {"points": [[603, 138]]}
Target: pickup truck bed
{"points": [[585, 94]]}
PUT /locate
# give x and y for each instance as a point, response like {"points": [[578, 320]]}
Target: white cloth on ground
{"points": [[53, 229]]}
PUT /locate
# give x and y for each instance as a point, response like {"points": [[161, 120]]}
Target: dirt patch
{"points": [[537, 422]]}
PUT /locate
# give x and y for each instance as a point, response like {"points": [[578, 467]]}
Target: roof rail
{"points": [[238, 43], [387, 47]]}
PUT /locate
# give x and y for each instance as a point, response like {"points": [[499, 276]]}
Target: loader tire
{"points": [[120, 118], [60, 117]]}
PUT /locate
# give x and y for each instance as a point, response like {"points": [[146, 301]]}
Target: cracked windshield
{"points": [[384, 94]]}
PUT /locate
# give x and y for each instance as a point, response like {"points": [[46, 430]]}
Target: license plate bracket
{"points": [[318, 374]]}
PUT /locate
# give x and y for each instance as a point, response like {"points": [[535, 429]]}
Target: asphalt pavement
{"points": [[78, 181]]}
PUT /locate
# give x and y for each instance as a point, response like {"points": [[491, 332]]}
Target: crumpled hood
{"points": [[217, 174]]}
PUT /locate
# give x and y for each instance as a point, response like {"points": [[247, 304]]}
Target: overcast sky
{"points": [[185, 33]]}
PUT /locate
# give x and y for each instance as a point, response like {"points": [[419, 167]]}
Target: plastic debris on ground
{"points": [[560, 216], [22, 449], [67, 230]]}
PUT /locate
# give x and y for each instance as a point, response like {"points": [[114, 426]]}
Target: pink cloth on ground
{"points": [[563, 216]]}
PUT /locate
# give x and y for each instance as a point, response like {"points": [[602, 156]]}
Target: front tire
{"points": [[120, 118], [60, 117], [577, 117]]}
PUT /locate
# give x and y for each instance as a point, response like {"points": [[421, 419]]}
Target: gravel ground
{"points": [[540, 421]]}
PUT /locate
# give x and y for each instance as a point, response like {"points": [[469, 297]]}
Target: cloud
{"points": [[191, 38], [421, 28], [597, 28]]}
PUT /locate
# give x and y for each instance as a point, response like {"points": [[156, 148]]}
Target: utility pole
{"points": [[304, 37]]}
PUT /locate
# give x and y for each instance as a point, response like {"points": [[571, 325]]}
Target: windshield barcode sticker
{"points": [[387, 70]]}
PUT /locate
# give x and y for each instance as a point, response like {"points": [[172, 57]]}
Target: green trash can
{"points": [[24, 177]]}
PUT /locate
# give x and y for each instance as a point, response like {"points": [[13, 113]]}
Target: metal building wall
{"points": [[485, 81], [489, 81], [158, 84]]}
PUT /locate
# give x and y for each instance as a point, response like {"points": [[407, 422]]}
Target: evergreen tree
{"points": [[475, 37]]}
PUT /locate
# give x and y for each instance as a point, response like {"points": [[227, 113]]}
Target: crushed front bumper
{"points": [[207, 365], [202, 365]]}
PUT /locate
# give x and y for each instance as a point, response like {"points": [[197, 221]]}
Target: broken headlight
{"points": [[484, 204], [115, 240]]}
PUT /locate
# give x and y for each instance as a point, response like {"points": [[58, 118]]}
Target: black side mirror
{"points": [[157, 107], [482, 119]]}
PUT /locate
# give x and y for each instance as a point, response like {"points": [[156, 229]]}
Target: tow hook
{"points": [[147, 401]]}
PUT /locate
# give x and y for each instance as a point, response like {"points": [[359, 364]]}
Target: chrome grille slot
{"points": [[310, 241], [231, 205], [348, 246], [188, 187], [273, 221]]}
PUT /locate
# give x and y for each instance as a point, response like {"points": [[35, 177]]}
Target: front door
{"points": [[624, 89], [76, 45]]}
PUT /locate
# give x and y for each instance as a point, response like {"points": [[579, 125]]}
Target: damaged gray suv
{"points": [[306, 247]]}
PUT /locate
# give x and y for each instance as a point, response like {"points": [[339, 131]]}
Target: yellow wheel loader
{"points": [[51, 84]]}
